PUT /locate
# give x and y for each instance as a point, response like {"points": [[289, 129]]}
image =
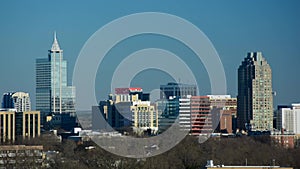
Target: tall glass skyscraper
{"points": [[53, 95]]}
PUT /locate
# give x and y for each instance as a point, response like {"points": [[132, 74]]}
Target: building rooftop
{"points": [[210, 164]]}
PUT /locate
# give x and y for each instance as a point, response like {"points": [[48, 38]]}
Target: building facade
{"points": [[201, 119], [116, 114], [130, 94], [7, 100], [288, 119], [53, 95], [7, 126], [21, 156], [24, 124], [28, 124], [21, 101], [16, 100], [255, 98], [224, 112], [177, 90], [284, 139], [210, 165], [185, 113], [144, 116], [168, 111]]}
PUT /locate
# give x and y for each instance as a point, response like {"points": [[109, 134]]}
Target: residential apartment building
{"points": [[288, 119]]}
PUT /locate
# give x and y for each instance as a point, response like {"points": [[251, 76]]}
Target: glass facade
{"points": [[178, 90], [53, 95]]}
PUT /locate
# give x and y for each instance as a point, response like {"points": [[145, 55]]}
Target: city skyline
{"points": [[150, 84], [23, 42]]}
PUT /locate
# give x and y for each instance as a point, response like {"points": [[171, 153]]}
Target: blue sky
{"points": [[234, 27]]}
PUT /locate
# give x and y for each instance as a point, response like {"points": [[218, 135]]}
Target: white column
{"points": [[39, 123], [54, 69], [60, 73], [4, 127], [24, 125], [28, 125]]}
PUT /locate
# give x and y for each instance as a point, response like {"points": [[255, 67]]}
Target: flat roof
{"points": [[20, 147]]}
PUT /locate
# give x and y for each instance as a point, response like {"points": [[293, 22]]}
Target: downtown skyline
{"points": [[234, 30]]}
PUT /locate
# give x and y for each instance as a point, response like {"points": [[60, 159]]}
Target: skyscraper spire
{"points": [[55, 45]]}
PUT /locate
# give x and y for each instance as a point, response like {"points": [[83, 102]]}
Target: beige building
{"points": [[144, 116], [7, 126], [13, 124], [255, 98]]}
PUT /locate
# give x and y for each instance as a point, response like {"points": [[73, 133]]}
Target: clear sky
{"points": [[234, 27]]}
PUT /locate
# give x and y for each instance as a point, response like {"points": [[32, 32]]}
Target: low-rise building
{"points": [[13, 124], [210, 165], [286, 140], [21, 156], [224, 112]]}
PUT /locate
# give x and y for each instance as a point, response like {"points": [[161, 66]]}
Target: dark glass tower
{"points": [[177, 90]]}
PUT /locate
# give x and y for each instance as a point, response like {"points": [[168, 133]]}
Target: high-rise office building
{"points": [[185, 113], [201, 119], [16, 100], [21, 101], [177, 90], [168, 111], [53, 95], [130, 94], [144, 116], [288, 119], [7, 100], [255, 99]]}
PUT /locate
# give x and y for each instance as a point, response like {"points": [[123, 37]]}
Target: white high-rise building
{"points": [[21, 101], [288, 119], [185, 113]]}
